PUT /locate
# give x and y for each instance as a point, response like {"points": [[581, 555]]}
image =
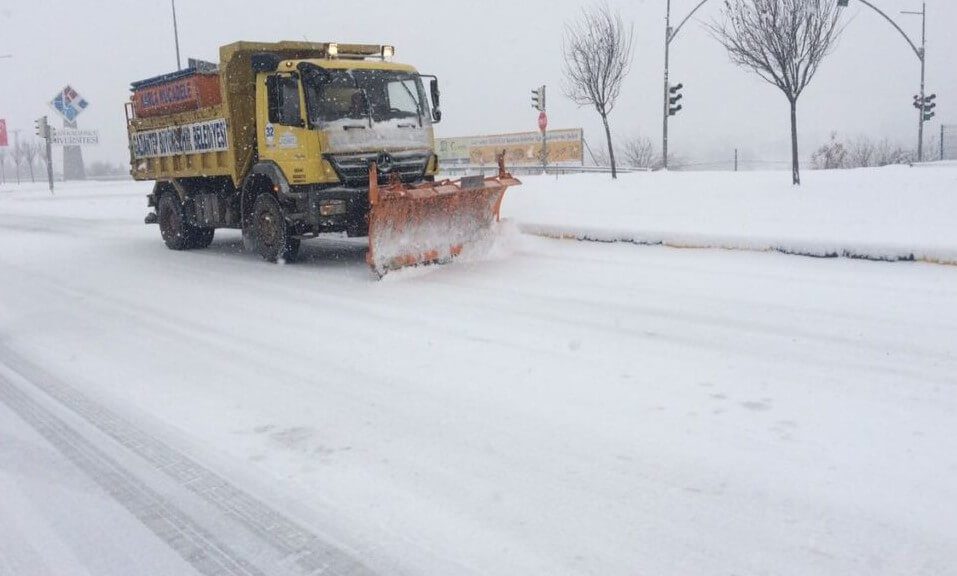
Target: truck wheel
{"points": [[201, 237], [272, 231], [172, 223]]}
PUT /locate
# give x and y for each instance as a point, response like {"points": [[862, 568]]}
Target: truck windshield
{"points": [[357, 94]]}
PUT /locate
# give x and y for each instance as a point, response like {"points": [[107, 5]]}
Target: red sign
{"points": [[3, 134], [542, 121]]}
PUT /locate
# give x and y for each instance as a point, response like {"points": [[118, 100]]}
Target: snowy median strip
{"points": [[886, 214]]}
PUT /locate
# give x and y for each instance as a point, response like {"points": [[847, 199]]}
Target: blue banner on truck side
{"points": [[209, 136]]}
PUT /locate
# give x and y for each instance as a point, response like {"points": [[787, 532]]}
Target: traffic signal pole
{"points": [[666, 108], [923, 67], [50, 162], [46, 132], [921, 53], [665, 103]]}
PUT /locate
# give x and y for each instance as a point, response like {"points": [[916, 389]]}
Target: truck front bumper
{"points": [[321, 210]]}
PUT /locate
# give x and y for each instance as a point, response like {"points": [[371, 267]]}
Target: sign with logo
{"points": [[74, 137], [3, 134], [209, 136], [565, 148], [542, 121], [69, 103]]}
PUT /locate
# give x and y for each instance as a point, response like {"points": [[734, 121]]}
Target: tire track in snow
{"points": [[299, 546], [194, 544]]}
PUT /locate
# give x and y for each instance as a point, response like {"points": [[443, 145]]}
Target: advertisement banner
{"points": [[565, 148], [209, 136], [3, 134], [74, 137]]}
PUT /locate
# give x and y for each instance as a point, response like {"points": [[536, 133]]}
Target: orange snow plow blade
{"points": [[430, 222]]}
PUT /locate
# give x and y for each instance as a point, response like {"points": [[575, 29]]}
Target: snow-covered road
{"points": [[563, 408]]}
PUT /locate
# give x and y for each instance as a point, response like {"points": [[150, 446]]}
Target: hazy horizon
{"points": [[488, 58]]}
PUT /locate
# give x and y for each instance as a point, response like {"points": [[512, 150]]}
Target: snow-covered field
{"points": [[562, 408]]}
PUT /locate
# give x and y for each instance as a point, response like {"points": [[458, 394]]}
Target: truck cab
{"points": [[321, 122]]}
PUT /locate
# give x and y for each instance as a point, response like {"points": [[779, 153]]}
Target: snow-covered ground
{"points": [[563, 408], [890, 213]]}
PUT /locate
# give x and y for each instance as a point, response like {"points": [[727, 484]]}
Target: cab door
{"points": [[284, 136]]}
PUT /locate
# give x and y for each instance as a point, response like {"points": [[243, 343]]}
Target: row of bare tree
{"points": [[781, 41], [859, 152], [29, 153]]}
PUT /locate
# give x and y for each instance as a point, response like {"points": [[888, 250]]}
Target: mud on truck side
{"points": [[290, 140]]}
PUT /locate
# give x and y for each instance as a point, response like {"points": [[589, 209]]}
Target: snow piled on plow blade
{"points": [[432, 224]]}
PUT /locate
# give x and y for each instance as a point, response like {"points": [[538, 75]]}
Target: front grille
{"points": [[353, 169]]}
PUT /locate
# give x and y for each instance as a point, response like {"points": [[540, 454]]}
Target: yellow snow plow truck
{"points": [[290, 140]]}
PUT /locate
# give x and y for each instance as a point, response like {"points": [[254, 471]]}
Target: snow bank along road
{"points": [[890, 213], [572, 408]]}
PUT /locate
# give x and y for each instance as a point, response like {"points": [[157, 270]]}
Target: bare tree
{"points": [[830, 156], [640, 152], [28, 151], [861, 152], [598, 55], [3, 165], [783, 42], [17, 158], [888, 153]]}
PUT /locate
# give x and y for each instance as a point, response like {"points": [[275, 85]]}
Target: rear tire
{"points": [[273, 239], [172, 223], [177, 232], [202, 237]]}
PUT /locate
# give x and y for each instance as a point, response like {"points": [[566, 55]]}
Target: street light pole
{"points": [[176, 34]]}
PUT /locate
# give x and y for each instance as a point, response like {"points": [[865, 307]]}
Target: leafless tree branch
{"points": [[783, 42], [598, 50]]}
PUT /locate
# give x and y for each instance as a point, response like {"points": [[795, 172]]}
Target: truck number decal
{"points": [[209, 136]]}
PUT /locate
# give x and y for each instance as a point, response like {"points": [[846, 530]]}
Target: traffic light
{"points": [[538, 99], [929, 106], [926, 105], [42, 127], [675, 96]]}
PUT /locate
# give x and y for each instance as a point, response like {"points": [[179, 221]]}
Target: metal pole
{"points": [[544, 152], [176, 34], [16, 153], [923, 61], [664, 129], [942, 142], [49, 159], [735, 159]]}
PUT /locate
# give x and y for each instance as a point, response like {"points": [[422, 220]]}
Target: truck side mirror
{"points": [[436, 109]]}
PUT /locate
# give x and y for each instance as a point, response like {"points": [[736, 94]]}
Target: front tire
{"points": [[273, 238]]}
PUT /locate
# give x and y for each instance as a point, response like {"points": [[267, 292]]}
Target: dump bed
{"points": [[214, 139]]}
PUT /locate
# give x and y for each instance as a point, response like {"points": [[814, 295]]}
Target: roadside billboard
{"points": [[565, 148]]}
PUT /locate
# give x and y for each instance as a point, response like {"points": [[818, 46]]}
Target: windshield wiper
{"points": [[418, 105]]}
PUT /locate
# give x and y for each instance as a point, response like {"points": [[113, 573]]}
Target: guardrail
{"points": [[474, 169]]}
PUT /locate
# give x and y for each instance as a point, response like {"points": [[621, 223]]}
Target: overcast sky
{"points": [[488, 56]]}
